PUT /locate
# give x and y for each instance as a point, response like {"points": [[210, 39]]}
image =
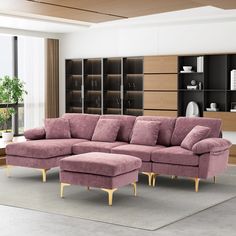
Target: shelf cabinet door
{"points": [[160, 113], [160, 82], [160, 64], [161, 100]]}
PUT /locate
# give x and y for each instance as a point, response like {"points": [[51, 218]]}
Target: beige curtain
{"points": [[52, 79]]}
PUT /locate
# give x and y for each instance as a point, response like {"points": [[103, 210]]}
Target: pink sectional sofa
{"points": [[207, 158]]}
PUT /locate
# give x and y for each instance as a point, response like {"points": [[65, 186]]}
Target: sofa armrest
{"points": [[35, 133], [211, 145]]}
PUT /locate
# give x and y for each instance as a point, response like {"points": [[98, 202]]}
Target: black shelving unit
{"points": [[74, 80], [215, 83], [133, 86], [112, 86], [93, 86]]}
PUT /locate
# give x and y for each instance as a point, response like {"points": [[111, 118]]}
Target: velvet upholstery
{"points": [[45, 148], [178, 170], [98, 181], [145, 132], [82, 125], [32, 162], [106, 130], [95, 146], [98, 163], [211, 164], [146, 166], [57, 128], [126, 126], [141, 151], [197, 134], [175, 155], [166, 128], [185, 124], [35, 133], [211, 145]]}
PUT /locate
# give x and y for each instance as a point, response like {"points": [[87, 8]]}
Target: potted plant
{"points": [[11, 92]]}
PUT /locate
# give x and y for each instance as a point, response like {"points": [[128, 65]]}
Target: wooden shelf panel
{"points": [[160, 100], [228, 119], [160, 64], [232, 155], [160, 82], [160, 113]]}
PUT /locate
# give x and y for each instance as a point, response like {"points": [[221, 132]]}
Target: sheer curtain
{"points": [[31, 69]]}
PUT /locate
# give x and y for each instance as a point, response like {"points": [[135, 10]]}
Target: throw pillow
{"points": [[145, 132], [57, 128], [106, 130], [197, 134]]}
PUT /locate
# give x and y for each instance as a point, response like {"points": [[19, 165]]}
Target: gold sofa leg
{"points": [[214, 178], [174, 177], [8, 168], [154, 179], [135, 188], [150, 175], [110, 194], [196, 184], [62, 188]]}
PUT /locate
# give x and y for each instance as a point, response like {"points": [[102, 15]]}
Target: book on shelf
{"points": [[233, 80], [200, 64]]}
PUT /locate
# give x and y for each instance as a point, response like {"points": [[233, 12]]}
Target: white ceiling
{"points": [[196, 15]]}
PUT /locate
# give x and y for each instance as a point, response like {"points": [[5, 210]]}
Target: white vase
{"points": [[7, 136]]}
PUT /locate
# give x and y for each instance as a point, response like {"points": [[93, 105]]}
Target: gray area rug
{"points": [[153, 208]]}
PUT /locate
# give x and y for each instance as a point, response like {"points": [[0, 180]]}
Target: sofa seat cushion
{"points": [[95, 146], [175, 155], [42, 148], [141, 151], [98, 163]]}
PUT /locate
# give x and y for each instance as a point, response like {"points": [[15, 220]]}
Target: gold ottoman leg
{"points": [[214, 178], [110, 194], [62, 188]]}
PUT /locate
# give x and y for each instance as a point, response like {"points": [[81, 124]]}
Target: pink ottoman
{"points": [[100, 170]]}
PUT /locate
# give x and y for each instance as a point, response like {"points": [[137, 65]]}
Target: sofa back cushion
{"points": [[185, 124], [82, 125], [57, 128], [197, 134], [166, 127], [145, 132], [106, 130], [126, 126]]}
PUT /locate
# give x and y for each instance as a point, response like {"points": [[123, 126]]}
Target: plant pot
{"points": [[7, 136]]}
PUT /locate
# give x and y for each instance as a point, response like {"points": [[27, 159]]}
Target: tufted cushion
{"points": [[82, 125], [166, 128], [126, 126], [106, 130], [185, 124], [145, 132], [195, 135], [57, 128]]}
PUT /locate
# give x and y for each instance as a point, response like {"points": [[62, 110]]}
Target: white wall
{"points": [[195, 38]]}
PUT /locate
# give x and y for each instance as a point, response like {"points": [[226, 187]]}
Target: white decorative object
{"points": [[187, 68], [200, 64], [7, 136], [233, 80], [192, 110]]}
